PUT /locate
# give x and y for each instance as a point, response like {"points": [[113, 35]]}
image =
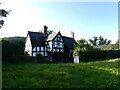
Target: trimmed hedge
{"points": [[99, 54]]}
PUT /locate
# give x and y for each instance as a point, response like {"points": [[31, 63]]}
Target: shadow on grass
{"points": [[83, 75]]}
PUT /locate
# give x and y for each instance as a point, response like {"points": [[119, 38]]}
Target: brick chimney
{"points": [[72, 34], [44, 29]]}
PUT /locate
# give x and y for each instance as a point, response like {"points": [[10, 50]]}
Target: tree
{"points": [[94, 41], [114, 46], [13, 49], [3, 13], [50, 31], [99, 41], [81, 46], [108, 42]]}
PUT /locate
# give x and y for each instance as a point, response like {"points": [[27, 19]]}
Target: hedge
{"points": [[99, 54]]}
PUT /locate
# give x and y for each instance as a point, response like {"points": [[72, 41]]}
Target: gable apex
{"points": [[52, 36]]}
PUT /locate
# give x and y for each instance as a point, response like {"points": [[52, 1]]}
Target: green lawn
{"points": [[99, 74]]}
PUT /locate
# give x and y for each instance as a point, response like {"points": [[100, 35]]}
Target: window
{"points": [[58, 38], [58, 44], [42, 48], [45, 49], [61, 50], [55, 42], [38, 48], [34, 49], [42, 53], [61, 44], [34, 54], [45, 53], [53, 50], [55, 45]]}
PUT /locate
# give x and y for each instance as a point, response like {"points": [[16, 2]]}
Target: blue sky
{"points": [[85, 19]]}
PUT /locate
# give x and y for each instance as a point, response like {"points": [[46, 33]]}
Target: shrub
{"points": [[99, 54], [13, 49], [39, 57]]}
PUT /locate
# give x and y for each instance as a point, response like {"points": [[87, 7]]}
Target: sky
{"points": [[86, 19]]}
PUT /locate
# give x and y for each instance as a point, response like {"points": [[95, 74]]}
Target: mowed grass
{"points": [[99, 74]]}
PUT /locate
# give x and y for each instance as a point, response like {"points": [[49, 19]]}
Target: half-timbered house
{"points": [[47, 45]]}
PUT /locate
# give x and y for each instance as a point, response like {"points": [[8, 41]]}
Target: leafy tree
{"points": [[12, 49], [50, 31], [113, 46], [108, 42], [99, 41], [3, 13], [81, 46], [103, 41], [94, 41]]}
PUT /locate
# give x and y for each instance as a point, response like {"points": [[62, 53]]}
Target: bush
{"points": [[13, 49], [99, 54], [39, 57]]}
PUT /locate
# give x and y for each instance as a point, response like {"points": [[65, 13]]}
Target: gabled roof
{"points": [[69, 42], [51, 36], [37, 38]]}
